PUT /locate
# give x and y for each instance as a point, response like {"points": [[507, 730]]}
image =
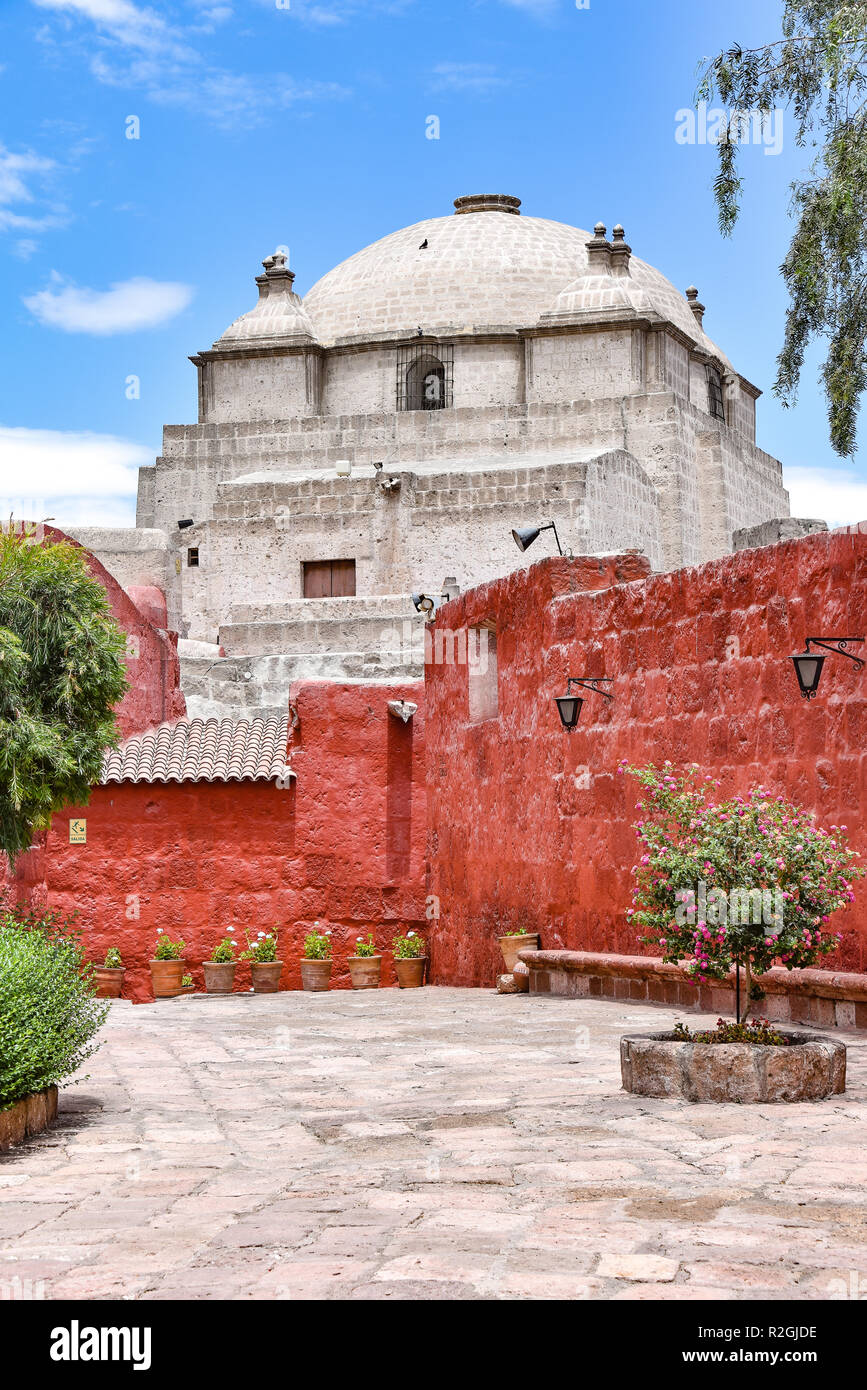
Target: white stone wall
{"points": [[255, 388], [583, 366]]}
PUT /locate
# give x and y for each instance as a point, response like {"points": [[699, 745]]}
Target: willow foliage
{"points": [[817, 71]]}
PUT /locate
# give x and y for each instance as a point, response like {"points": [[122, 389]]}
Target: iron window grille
{"points": [[715, 402], [425, 376], [193, 557]]}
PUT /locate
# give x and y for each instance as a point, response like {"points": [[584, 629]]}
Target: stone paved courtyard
{"points": [[437, 1143]]}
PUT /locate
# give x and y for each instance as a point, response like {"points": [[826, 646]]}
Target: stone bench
{"points": [[825, 998]]}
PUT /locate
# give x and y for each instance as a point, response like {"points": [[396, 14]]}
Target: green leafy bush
{"points": [[317, 944], [113, 960], [759, 1031], [263, 949], [366, 949], [409, 947], [48, 1010], [224, 952], [166, 949], [61, 676]]}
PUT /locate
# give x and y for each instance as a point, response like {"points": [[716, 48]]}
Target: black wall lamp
{"points": [[808, 666], [569, 705], [524, 536]]}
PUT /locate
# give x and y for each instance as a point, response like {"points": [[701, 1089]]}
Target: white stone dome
{"points": [[491, 269]]}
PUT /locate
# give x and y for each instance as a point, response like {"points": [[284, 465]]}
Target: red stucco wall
{"points": [[345, 845], [530, 826]]}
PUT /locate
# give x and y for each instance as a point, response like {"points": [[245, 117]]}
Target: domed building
{"points": [[461, 378]]}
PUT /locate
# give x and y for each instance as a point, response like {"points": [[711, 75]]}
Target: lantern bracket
{"points": [[591, 683], [838, 645]]}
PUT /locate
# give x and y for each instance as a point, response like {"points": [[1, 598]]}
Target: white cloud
{"points": [[477, 78], [137, 48], [79, 479], [835, 495], [18, 172], [122, 308]]}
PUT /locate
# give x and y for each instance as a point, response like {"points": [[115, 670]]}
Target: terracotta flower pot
{"points": [[364, 971], [511, 945], [166, 977], [315, 974], [219, 976], [109, 982], [410, 973], [266, 975]]}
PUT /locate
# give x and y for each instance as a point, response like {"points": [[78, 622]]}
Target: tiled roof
{"points": [[204, 750]]}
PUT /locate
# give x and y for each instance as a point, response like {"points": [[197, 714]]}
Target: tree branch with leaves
{"points": [[62, 674], [818, 71]]}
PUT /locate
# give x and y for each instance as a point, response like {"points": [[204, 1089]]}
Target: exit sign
{"points": [[78, 832]]}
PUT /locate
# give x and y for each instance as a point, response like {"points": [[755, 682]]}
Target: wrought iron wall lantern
{"points": [[569, 706], [808, 665]]}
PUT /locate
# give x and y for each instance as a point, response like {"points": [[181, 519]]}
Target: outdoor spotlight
{"points": [[569, 706], [182, 525], [343, 468], [808, 666], [423, 603], [524, 536]]}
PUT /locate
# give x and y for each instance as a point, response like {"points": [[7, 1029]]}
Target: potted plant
{"points": [[410, 954], [220, 969], [265, 968], [365, 967], [317, 961], [736, 885], [167, 966], [109, 976], [187, 986], [513, 942]]}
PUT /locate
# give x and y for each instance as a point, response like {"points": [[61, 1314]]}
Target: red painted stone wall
{"points": [[345, 845], [530, 826]]}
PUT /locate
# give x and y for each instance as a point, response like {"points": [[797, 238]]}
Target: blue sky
{"points": [[302, 123]]}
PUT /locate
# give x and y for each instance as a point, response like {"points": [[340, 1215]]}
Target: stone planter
{"points": [[511, 945], [812, 1067], [29, 1116], [266, 975], [315, 974], [219, 976], [410, 973], [166, 977], [109, 983], [364, 971]]}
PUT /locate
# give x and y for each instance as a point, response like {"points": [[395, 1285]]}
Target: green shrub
{"points": [[48, 1011], [317, 944], [262, 950], [365, 950], [113, 959], [166, 949], [224, 952], [409, 947]]}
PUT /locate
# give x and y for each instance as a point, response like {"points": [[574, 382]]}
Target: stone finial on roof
{"points": [[599, 252], [278, 278], [620, 252], [695, 306]]}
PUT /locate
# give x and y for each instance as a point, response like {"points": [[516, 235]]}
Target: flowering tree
{"points": [[749, 881]]}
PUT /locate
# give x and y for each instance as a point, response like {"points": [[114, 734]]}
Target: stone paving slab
{"points": [[425, 1144]]}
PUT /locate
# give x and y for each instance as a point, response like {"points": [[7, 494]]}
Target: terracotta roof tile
{"points": [[204, 750]]}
